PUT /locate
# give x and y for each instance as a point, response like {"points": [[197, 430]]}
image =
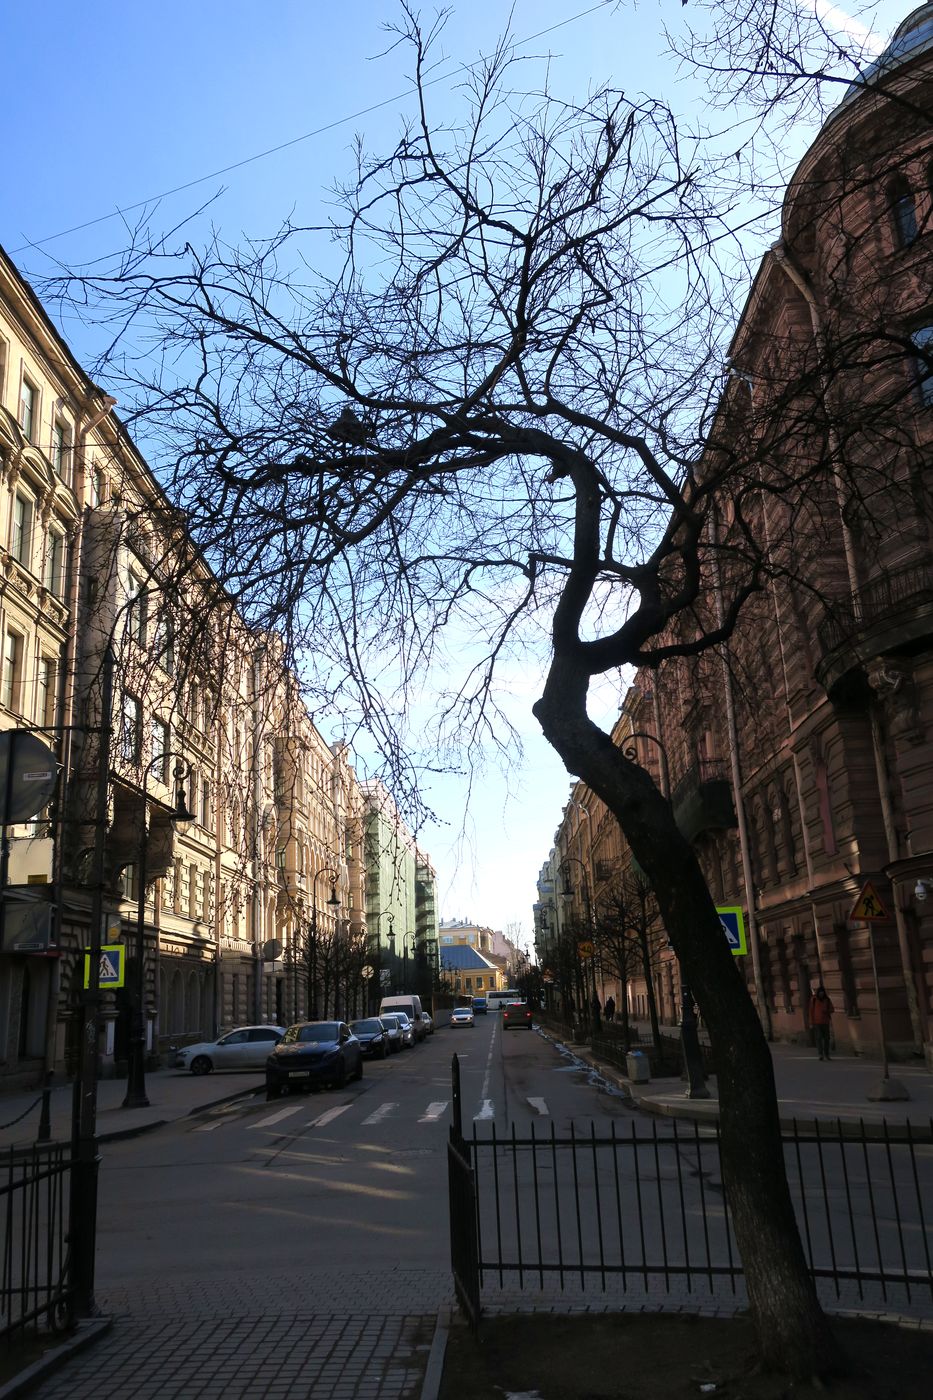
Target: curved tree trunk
{"points": [[792, 1329]]}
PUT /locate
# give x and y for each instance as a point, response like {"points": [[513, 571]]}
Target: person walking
{"points": [[610, 1010], [821, 1016], [595, 1008]]}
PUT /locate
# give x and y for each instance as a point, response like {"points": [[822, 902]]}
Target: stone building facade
{"points": [[255, 908]]}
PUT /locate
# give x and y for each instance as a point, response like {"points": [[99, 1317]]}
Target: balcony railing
{"points": [[884, 598]]}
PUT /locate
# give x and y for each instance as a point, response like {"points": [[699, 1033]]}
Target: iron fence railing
{"points": [[34, 1197], [647, 1205]]}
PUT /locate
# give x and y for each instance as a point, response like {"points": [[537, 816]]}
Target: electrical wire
{"points": [[295, 140]]}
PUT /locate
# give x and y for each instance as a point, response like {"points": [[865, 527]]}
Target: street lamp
{"points": [[333, 902], [180, 817], [567, 893]]}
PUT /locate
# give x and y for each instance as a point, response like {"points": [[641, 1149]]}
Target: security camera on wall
{"points": [[921, 890]]}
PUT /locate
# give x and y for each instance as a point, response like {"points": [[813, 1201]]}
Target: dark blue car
{"points": [[312, 1055]]}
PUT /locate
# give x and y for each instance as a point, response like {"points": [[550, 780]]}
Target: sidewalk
{"points": [[172, 1094], [809, 1090]]}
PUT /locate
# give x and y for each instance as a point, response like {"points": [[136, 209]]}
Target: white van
{"points": [[411, 1005]]}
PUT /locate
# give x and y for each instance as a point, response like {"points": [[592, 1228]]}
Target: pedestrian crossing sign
{"points": [[733, 926], [112, 966]]}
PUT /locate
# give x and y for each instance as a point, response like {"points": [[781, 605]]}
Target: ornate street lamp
{"points": [[181, 818], [333, 902]]}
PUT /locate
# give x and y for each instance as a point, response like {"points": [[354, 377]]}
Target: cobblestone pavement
{"points": [[337, 1356], [319, 1334]]}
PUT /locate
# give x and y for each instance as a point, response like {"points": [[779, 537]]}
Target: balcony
{"points": [[702, 800], [891, 613]]}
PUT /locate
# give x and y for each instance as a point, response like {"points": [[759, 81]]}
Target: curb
{"points": [[119, 1134], [435, 1369], [85, 1334]]}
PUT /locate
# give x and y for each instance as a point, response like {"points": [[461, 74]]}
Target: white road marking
{"points": [[209, 1127], [433, 1112], [487, 1111], [539, 1106], [329, 1116], [381, 1112], [277, 1117]]}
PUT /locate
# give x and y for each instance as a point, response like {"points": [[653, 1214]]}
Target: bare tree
{"points": [[628, 927], [503, 419]]}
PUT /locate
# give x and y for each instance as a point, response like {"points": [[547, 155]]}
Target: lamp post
{"points": [[567, 893], [333, 902], [180, 817]]}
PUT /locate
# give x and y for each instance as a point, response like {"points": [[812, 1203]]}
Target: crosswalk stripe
{"points": [[381, 1112], [487, 1111], [539, 1106], [209, 1127], [277, 1117], [433, 1112], [329, 1116]]}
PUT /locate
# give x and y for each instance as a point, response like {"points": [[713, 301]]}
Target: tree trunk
{"points": [[793, 1333]]}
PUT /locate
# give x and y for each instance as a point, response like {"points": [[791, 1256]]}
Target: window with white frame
{"points": [[138, 597], [61, 450], [12, 680], [165, 641], [130, 733], [56, 558], [160, 737], [28, 409], [45, 691], [21, 538]]}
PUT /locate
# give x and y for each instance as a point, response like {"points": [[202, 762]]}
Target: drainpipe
{"points": [[795, 758], [764, 1010], [258, 838], [800, 280]]}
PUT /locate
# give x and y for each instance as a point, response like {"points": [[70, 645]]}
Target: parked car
{"points": [[516, 1013], [479, 1006], [427, 1021], [406, 1027], [462, 1016], [311, 1054], [373, 1037], [411, 1005], [393, 1028], [247, 1047]]}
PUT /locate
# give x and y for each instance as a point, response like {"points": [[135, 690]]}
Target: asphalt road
{"points": [[342, 1195], [345, 1189]]}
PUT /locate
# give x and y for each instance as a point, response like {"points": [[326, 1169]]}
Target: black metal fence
{"points": [[34, 1194], [646, 1206]]}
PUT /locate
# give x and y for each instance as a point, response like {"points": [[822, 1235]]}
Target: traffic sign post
{"points": [[733, 926], [111, 968]]}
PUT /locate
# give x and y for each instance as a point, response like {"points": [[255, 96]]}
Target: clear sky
{"points": [[110, 104]]}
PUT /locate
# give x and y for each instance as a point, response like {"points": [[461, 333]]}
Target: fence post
{"points": [[457, 1126]]}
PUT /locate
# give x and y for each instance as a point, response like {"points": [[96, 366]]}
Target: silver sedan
{"points": [[247, 1047]]}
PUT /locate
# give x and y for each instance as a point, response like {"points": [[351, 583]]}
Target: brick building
{"points": [[799, 760]]}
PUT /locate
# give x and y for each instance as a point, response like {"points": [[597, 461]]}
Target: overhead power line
{"points": [[295, 140]]}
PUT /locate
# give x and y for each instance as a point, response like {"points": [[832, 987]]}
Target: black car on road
{"points": [[312, 1054], [373, 1037]]}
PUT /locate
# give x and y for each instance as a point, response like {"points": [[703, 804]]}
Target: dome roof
{"points": [[912, 36]]}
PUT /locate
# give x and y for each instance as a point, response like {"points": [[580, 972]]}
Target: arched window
{"points": [[903, 212]]}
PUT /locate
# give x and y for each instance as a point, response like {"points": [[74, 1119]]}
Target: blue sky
{"points": [[108, 104]]}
